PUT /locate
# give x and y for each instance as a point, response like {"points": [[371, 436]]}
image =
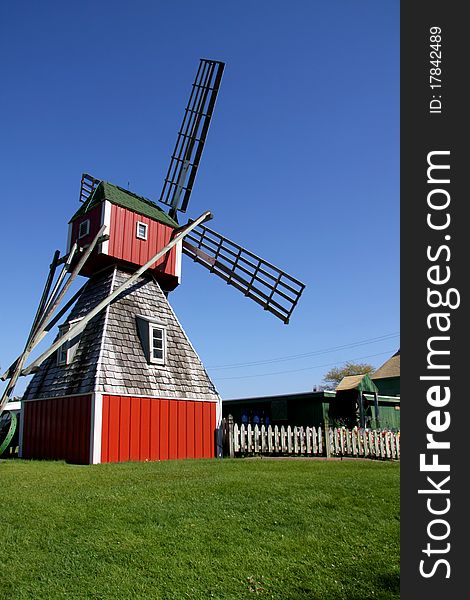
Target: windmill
{"points": [[122, 381]]}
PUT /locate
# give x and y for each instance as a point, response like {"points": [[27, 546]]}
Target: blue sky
{"points": [[301, 164]]}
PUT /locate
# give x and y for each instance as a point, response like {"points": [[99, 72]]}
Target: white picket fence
{"points": [[367, 443], [277, 440], [309, 441]]}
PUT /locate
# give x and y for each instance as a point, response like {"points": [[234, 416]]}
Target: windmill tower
{"points": [[122, 381]]}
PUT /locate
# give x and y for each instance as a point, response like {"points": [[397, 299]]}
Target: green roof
{"points": [[126, 199]]}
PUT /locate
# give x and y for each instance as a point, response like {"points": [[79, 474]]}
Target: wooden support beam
{"points": [[9, 372], [52, 306], [45, 324], [40, 326], [17, 365], [63, 273], [45, 293]]}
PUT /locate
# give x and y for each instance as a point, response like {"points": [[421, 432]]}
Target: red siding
{"points": [[124, 244], [182, 426], [145, 429], [95, 223], [191, 447], [149, 428], [58, 429], [124, 427], [198, 431], [164, 428], [172, 429], [154, 429]]}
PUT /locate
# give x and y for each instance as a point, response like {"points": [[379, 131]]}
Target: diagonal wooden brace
{"points": [[41, 321]]}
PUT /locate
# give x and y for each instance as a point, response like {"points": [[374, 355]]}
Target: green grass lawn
{"points": [[243, 528]]}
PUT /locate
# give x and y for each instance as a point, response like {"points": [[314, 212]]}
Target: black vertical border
{"points": [[422, 132]]}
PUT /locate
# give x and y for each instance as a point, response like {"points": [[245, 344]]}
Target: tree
{"points": [[335, 375]]}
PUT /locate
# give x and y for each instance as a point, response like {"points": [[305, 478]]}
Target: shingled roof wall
{"points": [[110, 358], [124, 367]]}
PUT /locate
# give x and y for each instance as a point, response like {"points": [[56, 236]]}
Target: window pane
{"points": [[62, 357], [157, 344], [84, 228], [142, 230]]}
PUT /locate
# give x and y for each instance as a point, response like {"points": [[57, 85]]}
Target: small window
{"points": [[84, 228], [66, 353], [141, 230], [152, 335], [157, 342], [62, 352]]}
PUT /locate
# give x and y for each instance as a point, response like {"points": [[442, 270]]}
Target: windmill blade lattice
{"points": [[192, 136], [88, 185], [273, 289]]}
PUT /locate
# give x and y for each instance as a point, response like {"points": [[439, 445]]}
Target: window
{"points": [[141, 230], [157, 344], [152, 334], [84, 228], [63, 350], [66, 353]]}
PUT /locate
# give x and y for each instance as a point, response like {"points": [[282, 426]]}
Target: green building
{"points": [[387, 377], [369, 400]]}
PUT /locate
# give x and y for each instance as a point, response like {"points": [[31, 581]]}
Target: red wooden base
{"points": [[132, 428], [57, 429], [153, 429]]}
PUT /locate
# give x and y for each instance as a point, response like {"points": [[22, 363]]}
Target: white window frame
{"points": [[66, 353], [82, 234], [63, 351], [137, 232], [157, 360]]}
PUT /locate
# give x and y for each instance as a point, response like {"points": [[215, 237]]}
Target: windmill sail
{"points": [[88, 185], [192, 136], [271, 288]]}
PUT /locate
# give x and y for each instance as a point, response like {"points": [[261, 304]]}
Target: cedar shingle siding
{"points": [[110, 357]]}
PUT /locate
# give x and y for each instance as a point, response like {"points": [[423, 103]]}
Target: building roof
{"points": [[390, 368], [126, 199], [297, 396], [110, 357], [361, 383]]}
